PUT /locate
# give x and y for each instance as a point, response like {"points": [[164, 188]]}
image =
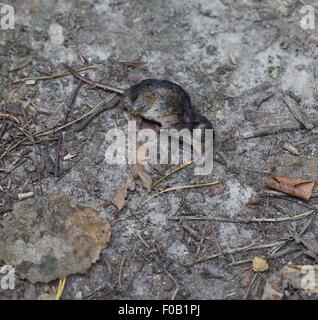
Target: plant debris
{"points": [[145, 178], [51, 237], [23, 196], [274, 71], [292, 149], [259, 264], [297, 112], [262, 88], [295, 187], [120, 199], [272, 291]]}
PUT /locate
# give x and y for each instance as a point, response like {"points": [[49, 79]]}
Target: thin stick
{"points": [[12, 146], [266, 257], [302, 2], [93, 83], [172, 172], [275, 251], [39, 141], [159, 264], [272, 126], [171, 277], [60, 139], [60, 289], [9, 117], [250, 247], [251, 220], [141, 238], [3, 129], [121, 270], [250, 287], [180, 188], [5, 209], [89, 113], [54, 75], [253, 246], [101, 109]]}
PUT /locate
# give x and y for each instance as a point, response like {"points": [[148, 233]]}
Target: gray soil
{"points": [[220, 52]]}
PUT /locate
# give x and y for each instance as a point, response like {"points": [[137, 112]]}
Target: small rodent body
{"points": [[160, 101], [164, 103]]}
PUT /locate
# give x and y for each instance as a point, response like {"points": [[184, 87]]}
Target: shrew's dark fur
{"points": [[189, 115]]}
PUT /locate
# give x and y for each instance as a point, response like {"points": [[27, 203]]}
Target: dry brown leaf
{"points": [[52, 237], [139, 168], [145, 178], [301, 277], [290, 181], [259, 264], [299, 188], [120, 199]]}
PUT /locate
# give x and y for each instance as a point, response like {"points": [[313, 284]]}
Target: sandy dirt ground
{"points": [[237, 60]]}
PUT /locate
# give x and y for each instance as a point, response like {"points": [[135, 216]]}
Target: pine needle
{"points": [[53, 75], [60, 289], [173, 172], [180, 188]]}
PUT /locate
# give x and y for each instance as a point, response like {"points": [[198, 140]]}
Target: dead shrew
{"points": [[159, 101]]}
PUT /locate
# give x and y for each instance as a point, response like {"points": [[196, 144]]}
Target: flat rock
{"points": [[51, 237]]}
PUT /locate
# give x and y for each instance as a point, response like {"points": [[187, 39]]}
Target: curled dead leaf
{"points": [[120, 200], [295, 187], [121, 197], [145, 178]]}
